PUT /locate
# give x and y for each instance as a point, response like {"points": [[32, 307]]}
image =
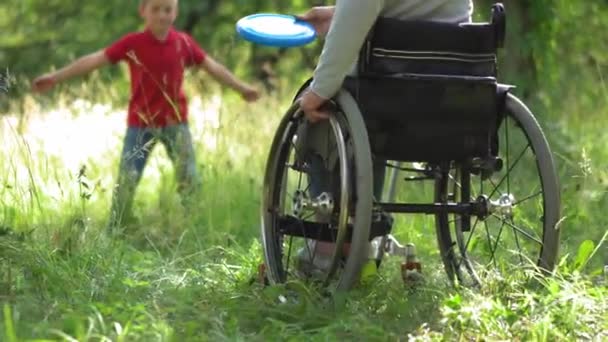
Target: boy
{"points": [[158, 109]]}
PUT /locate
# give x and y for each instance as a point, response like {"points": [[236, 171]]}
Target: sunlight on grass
{"points": [[85, 131], [44, 151]]}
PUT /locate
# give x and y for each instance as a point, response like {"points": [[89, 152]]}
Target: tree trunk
{"points": [[207, 8]]}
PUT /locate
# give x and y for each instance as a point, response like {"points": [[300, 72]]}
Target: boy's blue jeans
{"points": [[138, 144]]}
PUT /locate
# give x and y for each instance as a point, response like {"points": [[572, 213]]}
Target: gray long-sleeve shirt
{"points": [[354, 18]]}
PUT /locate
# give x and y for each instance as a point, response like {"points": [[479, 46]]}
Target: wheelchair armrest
{"points": [[499, 21]]}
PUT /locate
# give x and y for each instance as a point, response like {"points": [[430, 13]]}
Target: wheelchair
{"points": [[426, 103]]}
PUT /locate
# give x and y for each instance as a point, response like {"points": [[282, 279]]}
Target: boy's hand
{"points": [[250, 94], [320, 18], [44, 83], [311, 104], [224, 76]]}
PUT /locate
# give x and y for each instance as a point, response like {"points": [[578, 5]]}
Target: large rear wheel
{"points": [[522, 196], [293, 215]]}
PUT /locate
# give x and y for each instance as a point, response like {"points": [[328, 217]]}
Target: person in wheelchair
{"points": [[346, 27], [424, 90]]}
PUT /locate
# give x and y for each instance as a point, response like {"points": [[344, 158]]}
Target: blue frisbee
{"points": [[277, 30]]}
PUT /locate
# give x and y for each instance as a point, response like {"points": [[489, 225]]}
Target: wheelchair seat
{"points": [[428, 90]]}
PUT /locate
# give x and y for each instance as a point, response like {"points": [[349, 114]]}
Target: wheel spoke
{"points": [[493, 250], [298, 155], [458, 184], [307, 217], [466, 246], [288, 254], [528, 198], [307, 246], [520, 230], [290, 196], [474, 193], [299, 180], [510, 169], [307, 188], [521, 259], [496, 187]]}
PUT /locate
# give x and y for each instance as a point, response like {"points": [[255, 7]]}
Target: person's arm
{"points": [[351, 23], [81, 66], [225, 77]]}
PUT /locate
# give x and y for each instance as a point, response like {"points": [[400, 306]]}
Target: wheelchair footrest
{"points": [[292, 226]]}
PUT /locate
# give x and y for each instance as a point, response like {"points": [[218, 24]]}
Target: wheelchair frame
{"points": [[354, 200]]}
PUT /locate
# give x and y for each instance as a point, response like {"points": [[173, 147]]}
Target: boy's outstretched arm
{"points": [[224, 76], [81, 66]]}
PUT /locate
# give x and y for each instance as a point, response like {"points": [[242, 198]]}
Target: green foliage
{"points": [[9, 327], [584, 253], [38, 35], [544, 309]]}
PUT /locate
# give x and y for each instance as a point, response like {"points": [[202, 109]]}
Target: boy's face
{"points": [[159, 15]]}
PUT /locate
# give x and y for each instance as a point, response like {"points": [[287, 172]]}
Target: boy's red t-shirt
{"points": [[157, 74]]}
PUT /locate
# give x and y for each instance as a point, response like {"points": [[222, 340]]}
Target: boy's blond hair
{"points": [[145, 2]]}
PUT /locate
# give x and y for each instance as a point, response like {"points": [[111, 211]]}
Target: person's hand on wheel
{"points": [[320, 18], [311, 104]]}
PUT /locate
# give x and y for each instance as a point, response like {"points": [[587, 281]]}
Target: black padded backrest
{"points": [[426, 47], [428, 90], [427, 119], [472, 38]]}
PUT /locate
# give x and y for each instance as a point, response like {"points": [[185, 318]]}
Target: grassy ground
{"points": [[186, 275]]}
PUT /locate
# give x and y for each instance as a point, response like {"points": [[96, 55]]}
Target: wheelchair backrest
{"points": [[433, 48], [428, 90]]}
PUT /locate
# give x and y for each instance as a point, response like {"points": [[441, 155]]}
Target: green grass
{"points": [[186, 275]]}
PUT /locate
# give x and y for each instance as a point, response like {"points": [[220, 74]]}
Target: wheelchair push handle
{"points": [[499, 21]]}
